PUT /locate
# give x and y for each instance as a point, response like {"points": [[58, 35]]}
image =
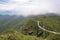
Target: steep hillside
{"points": [[14, 35], [26, 28], [52, 23], [10, 22]]}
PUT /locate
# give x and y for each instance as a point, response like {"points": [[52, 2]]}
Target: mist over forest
{"points": [[29, 19]]}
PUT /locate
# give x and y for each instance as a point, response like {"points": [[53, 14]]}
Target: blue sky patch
{"points": [[3, 1]]}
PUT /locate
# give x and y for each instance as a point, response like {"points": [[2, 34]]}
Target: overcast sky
{"points": [[29, 7]]}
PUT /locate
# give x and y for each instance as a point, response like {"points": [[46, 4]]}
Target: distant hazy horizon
{"points": [[29, 7]]}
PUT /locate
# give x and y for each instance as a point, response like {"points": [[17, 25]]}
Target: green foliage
{"points": [[49, 22], [14, 35], [10, 22], [25, 28]]}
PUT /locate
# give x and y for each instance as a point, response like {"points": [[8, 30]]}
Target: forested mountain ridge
{"points": [[49, 22], [26, 28], [10, 22]]}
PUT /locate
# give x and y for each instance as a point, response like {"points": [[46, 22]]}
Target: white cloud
{"points": [[29, 7], [18, 1], [7, 6]]}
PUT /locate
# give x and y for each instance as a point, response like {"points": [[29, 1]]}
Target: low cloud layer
{"points": [[29, 7]]}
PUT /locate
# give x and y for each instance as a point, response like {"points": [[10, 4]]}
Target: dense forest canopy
{"points": [[20, 28]]}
